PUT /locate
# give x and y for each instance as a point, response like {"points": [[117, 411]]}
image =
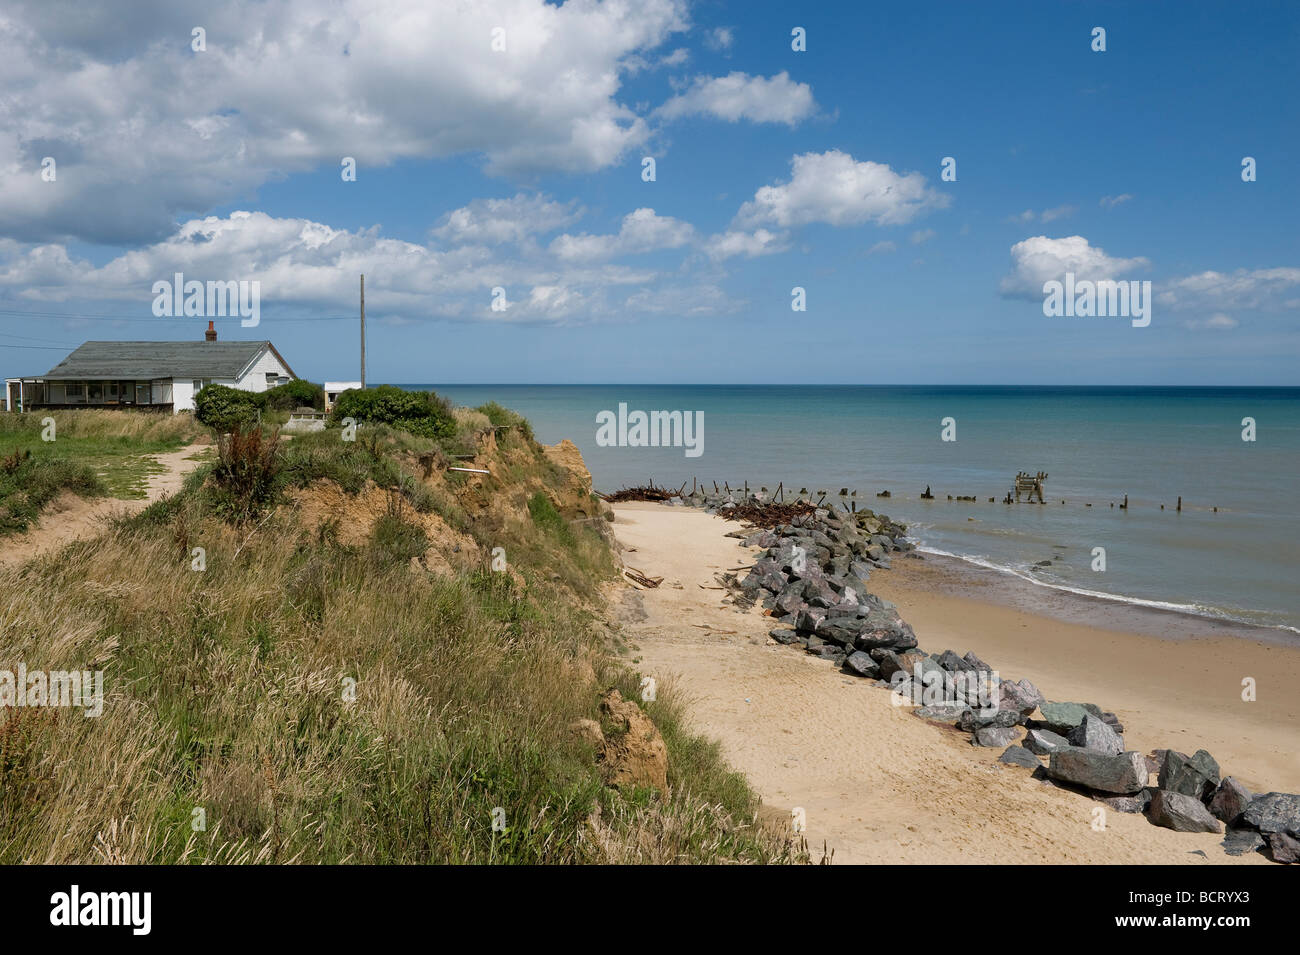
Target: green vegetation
{"points": [[227, 409], [93, 453], [421, 413], [332, 702]]}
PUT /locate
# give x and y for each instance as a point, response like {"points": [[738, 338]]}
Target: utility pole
{"points": [[363, 330]]}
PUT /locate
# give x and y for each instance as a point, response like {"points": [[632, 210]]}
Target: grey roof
{"points": [[160, 360]]}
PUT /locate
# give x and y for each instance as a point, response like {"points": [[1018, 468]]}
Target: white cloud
{"points": [[144, 129], [719, 38], [1216, 322], [1039, 259], [834, 188], [505, 220], [738, 96], [922, 235], [882, 248], [1110, 202], [1231, 291], [642, 231], [1047, 215], [724, 245]]}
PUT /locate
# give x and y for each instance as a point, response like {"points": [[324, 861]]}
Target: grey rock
{"points": [[1092, 733], [940, 712], [1122, 774], [976, 663], [782, 635], [1230, 800], [993, 735], [1237, 842], [1063, 717], [1283, 848], [1019, 756], [1274, 812], [1196, 775], [1180, 812], [1022, 696], [980, 719], [1130, 804], [861, 664], [1045, 742]]}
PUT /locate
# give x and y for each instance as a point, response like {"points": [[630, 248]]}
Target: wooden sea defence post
{"points": [[1030, 485]]}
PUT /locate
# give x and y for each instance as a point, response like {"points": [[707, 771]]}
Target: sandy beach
{"points": [[879, 785]]}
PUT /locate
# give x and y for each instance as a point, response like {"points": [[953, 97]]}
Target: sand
{"points": [[879, 785]]}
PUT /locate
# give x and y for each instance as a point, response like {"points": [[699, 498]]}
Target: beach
{"points": [[879, 785]]}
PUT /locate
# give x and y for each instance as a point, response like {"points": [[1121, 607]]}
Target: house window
{"points": [[75, 390], [271, 379], [95, 391], [142, 392], [198, 385]]}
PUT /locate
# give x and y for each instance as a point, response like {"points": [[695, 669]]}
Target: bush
{"points": [[228, 409], [296, 394], [28, 482], [246, 473], [504, 417], [419, 412]]}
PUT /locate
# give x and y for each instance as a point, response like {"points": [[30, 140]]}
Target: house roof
{"points": [[162, 360]]}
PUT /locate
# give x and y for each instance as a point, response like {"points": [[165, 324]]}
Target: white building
{"points": [[335, 388], [158, 375]]}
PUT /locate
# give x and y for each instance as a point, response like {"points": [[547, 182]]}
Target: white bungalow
{"points": [[152, 375]]}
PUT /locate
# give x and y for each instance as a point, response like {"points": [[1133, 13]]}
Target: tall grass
{"points": [[315, 702]]}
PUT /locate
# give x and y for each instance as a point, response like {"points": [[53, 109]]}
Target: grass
{"points": [[93, 453], [325, 703]]}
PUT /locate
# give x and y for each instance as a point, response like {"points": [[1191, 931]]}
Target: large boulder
{"points": [[1122, 774], [1283, 848], [1021, 695], [980, 719], [1237, 842], [1180, 812], [1063, 717], [993, 735], [859, 663], [1092, 733], [1230, 801], [1196, 775], [1019, 756], [1274, 812]]}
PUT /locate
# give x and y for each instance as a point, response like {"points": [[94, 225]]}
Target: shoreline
{"points": [[1175, 679], [967, 577]]}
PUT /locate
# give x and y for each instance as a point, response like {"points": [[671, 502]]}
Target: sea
{"points": [[1231, 454]]}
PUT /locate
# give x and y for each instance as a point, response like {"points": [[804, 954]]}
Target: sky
{"points": [[501, 148]]}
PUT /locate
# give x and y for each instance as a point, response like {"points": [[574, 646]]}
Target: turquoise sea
{"points": [[1097, 445]]}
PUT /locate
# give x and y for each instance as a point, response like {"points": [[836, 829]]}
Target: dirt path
{"points": [[876, 783], [70, 517]]}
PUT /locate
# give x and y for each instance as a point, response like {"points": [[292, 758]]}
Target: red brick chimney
{"points": [[211, 334]]}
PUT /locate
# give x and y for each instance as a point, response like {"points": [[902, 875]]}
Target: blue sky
{"points": [[521, 169]]}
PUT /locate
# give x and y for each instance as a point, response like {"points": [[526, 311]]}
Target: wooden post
{"points": [[1180, 504], [363, 331]]}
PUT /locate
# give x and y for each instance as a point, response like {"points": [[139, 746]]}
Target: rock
{"points": [[1230, 800], [952, 663], [1122, 774], [1044, 742], [782, 635], [1196, 776], [1180, 812], [891, 662], [1131, 804], [1019, 756], [1063, 717], [1237, 842], [941, 712], [1092, 733], [1274, 812], [861, 664], [976, 663], [1022, 696], [979, 719], [1283, 848], [636, 756], [993, 735]]}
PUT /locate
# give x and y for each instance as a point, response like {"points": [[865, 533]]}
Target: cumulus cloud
{"points": [[724, 245], [1231, 291], [642, 231], [1110, 202], [1039, 259], [494, 221], [293, 86], [738, 96], [834, 188]]}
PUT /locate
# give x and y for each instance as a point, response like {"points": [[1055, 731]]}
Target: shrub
{"points": [[419, 412], [504, 417], [228, 409], [245, 474], [296, 394]]}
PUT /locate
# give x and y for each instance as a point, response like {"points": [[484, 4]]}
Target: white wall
{"points": [[255, 378], [182, 394]]}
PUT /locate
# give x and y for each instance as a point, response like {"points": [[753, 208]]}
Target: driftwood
{"points": [[644, 492], [634, 575], [767, 513]]}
